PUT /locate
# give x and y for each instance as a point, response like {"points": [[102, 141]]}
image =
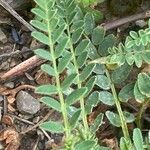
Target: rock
{"points": [[10, 85], [26, 103], [3, 37]]}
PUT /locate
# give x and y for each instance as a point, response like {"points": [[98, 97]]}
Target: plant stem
{"points": [[119, 109], [141, 111], [83, 113], [62, 101]]}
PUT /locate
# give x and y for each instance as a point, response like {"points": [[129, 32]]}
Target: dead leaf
{"points": [[8, 120]]}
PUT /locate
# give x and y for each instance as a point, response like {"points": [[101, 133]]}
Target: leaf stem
{"points": [[119, 109]]}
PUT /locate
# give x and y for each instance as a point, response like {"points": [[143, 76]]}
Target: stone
{"points": [[27, 104], [3, 37], [10, 85]]}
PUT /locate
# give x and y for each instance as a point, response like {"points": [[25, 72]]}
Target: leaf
{"points": [[85, 145], [74, 119], [75, 96], [43, 54], [86, 72], [61, 47], [97, 122], [127, 92], [64, 62], [68, 81], [58, 33], [51, 103], [138, 95], [76, 35], [90, 84], [89, 23], [76, 25], [138, 139], [120, 74], [99, 69], [103, 82], [40, 25], [144, 84], [53, 127], [138, 60], [92, 101], [98, 35], [146, 57], [106, 97], [48, 69], [40, 37], [81, 59], [46, 89], [123, 144], [113, 118], [41, 3], [81, 47], [38, 12], [129, 117]]}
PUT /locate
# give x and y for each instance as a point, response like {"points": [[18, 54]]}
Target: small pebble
{"points": [[10, 85], [27, 104], [141, 23]]}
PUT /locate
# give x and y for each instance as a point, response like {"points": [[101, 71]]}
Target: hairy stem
{"points": [[119, 109], [83, 113]]}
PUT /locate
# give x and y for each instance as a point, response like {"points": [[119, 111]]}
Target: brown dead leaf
{"points": [[11, 108], [111, 143], [11, 137], [8, 120], [10, 99]]}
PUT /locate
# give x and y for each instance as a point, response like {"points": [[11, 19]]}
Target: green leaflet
{"points": [[52, 103], [98, 35], [123, 144], [85, 145], [64, 62], [89, 23], [40, 13], [40, 25], [68, 81], [113, 118], [76, 35], [138, 139], [103, 82], [106, 97], [46, 89], [75, 96], [127, 92], [48, 69], [43, 54], [129, 117], [51, 126], [86, 72], [74, 119], [82, 59], [144, 84], [40, 37], [97, 123], [81, 47]]}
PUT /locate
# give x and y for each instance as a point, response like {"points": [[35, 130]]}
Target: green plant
{"points": [[88, 57]]}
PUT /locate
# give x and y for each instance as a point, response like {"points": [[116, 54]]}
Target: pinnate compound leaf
{"points": [[103, 82], [138, 139], [75, 96], [48, 69], [64, 62], [113, 118], [98, 35], [89, 23], [97, 123], [126, 92], [92, 101], [74, 119], [81, 59], [40, 25], [81, 47], [138, 95], [51, 103], [86, 72], [53, 127], [46, 89], [85, 145], [144, 84], [40, 13], [40, 37], [106, 97], [58, 32], [68, 81], [76, 35], [43, 54]]}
